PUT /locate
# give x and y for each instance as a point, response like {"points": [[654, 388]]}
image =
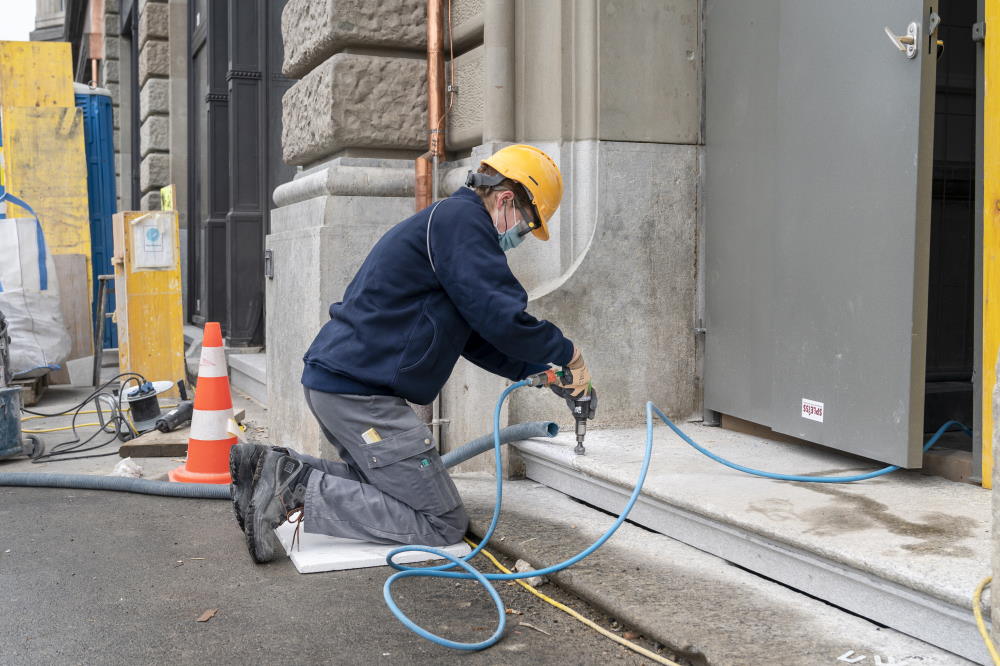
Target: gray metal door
{"points": [[817, 215]]}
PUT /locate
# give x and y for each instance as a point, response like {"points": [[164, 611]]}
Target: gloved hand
{"points": [[576, 375]]}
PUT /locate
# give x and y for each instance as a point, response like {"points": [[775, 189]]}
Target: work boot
{"points": [[279, 490], [243, 459]]}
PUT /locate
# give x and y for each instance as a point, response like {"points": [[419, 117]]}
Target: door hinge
{"points": [[979, 31], [269, 264]]}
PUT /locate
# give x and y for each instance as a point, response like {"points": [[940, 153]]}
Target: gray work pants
{"points": [[391, 491]]}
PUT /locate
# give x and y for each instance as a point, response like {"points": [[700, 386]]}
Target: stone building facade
{"points": [[618, 275]]}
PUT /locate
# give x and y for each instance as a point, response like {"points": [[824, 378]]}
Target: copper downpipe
{"points": [[435, 106]]}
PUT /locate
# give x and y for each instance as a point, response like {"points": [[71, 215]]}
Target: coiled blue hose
{"points": [[471, 573]]}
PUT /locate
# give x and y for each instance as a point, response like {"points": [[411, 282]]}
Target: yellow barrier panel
{"points": [[148, 295], [991, 234]]}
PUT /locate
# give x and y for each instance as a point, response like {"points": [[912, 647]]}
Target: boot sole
{"points": [[260, 536], [235, 486]]}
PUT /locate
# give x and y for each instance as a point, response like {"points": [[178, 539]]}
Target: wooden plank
{"points": [[148, 308], [32, 389], [36, 74], [74, 302], [156, 444]]}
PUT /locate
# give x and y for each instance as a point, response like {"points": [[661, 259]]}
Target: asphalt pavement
{"points": [[95, 577]]}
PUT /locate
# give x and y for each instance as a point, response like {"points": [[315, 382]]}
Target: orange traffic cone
{"points": [[210, 441]]}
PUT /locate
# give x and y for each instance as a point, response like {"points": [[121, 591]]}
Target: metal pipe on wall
{"points": [[498, 43], [426, 164]]}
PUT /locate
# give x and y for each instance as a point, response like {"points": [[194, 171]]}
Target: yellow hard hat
{"points": [[538, 174]]}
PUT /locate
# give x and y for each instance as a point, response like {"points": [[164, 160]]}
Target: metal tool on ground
{"points": [[176, 417], [583, 407]]}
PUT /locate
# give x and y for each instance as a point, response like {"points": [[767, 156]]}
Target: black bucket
{"points": [[10, 422]]}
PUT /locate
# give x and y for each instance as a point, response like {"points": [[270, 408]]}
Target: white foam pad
{"points": [[317, 552]]}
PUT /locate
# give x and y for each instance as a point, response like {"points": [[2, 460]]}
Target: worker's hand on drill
{"points": [[576, 375]]}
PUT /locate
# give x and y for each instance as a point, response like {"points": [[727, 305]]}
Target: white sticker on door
{"points": [[812, 410]]}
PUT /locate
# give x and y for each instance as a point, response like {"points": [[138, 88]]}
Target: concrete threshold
{"points": [[699, 606], [904, 550]]}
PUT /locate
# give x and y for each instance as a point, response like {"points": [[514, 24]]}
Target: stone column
{"points": [[111, 79], [354, 122], [154, 81]]}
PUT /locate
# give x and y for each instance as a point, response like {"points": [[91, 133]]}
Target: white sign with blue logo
{"points": [[153, 241]]}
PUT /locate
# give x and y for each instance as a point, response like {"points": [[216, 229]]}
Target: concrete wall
{"points": [[619, 274], [574, 77]]}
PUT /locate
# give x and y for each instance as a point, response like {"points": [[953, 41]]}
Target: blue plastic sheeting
{"points": [[98, 132]]}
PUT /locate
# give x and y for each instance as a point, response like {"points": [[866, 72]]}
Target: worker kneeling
{"points": [[435, 287]]}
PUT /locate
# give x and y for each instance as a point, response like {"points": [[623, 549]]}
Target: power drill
{"points": [[583, 407]]}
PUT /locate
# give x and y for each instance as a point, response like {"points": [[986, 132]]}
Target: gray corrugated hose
{"points": [[217, 491]]}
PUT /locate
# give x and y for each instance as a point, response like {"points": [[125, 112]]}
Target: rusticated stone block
{"points": [[154, 60], [154, 22], [150, 201], [465, 122], [154, 98], [154, 171], [358, 101], [111, 47], [111, 71], [154, 135], [466, 10], [313, 30]]}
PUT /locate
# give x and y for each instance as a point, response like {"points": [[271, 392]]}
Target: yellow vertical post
{"points": [[148, 301], [991, 231]]}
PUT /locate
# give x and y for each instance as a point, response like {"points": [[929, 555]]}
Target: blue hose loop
{"points": [[793, 477], [470, 572]]}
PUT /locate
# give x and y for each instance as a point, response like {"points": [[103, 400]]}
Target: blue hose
{"points": [[470, 573], [796, 477], [439, 571]]}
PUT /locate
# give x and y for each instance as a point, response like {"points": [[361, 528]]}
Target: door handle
{"points": [[906, 43]]}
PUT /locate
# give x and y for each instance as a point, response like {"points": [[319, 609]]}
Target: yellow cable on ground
{"points": [[977, 603], [566, 609], [88, 411], [69, 427]]}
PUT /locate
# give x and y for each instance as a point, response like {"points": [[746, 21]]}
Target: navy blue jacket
{"points": [[403, 323]]}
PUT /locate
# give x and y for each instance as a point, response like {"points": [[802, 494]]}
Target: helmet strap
{"points": [[476, 179]]}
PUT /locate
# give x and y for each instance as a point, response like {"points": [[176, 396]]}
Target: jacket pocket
{"points": [[407, 467], [423, 343]]}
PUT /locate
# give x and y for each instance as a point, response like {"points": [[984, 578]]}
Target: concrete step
{"points": [[904, 550], [248, 373], [700, 606]]}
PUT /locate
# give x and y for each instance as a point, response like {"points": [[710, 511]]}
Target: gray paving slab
{"points": [[697, 604], [919, 531], [904, 549]]}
